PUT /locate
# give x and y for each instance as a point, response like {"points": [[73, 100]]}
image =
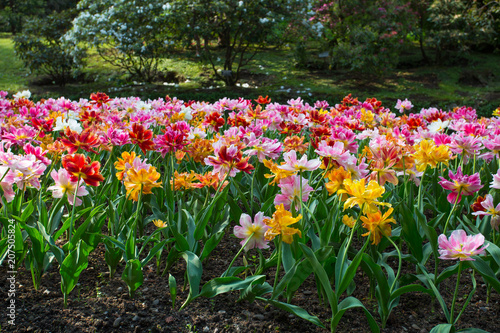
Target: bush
{"points": [[131, 35], [457, 26], [42, 49], [240, 29], [364, 35]]}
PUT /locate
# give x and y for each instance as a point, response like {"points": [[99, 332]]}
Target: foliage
{"points": [[363, 35], [240, 29], [42, 49], [15, 13], [132, 35], [456, 26]]}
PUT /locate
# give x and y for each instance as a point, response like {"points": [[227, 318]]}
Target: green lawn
{"points": [[13, 76], [476, 83]]}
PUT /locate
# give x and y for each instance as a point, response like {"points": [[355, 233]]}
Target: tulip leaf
{"points": [[172, 286], [480, 266], [351, 303], [443, 328], [133, 276], [194, 270], [293, 309]]}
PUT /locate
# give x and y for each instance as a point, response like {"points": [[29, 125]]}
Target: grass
{"points": [[273, 73], [13, 76]]}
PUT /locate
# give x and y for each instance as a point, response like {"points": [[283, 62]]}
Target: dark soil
{"points": [[101, 304]]}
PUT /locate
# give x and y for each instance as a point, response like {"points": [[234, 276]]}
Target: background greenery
{"points": [[435, 53]]}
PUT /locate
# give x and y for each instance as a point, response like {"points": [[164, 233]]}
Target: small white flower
{"points": [[23, 94], [186, 113], [438, 126], [71, 123], [142, 106]]}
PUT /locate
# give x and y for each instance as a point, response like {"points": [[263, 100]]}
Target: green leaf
{"points": [[235, 210], [322, 276], [130, 246], [180, 241], [68, 221], [56, 250], [469, 298], [112, 256], [443, 328], [383, 295], [287, 257], [153, 252], [409, 288], [446, 273], [172, 286], [133, 276], [293, 309], [194, 271], [222, 285], [494, 251], [410, 232], [480, 266], [429, 232], [37, 245], [28, 210], [83, 227], [350, 272], [72, 266], [436, 292], [115, 242], [42, 213], [210, 245], [202, 222], [350, 303], [55, 217]]}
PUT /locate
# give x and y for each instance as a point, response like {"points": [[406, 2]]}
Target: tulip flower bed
{"points": [[288, 217]]}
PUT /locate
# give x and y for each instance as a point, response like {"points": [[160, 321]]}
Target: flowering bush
{"points": [[132, 35], [295, 182], [364, 35]]}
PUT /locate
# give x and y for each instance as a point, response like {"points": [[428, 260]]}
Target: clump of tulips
{"points": [[320, 189]]}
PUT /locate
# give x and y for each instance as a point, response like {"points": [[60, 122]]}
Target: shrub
{"points": [[240, 28], [132, 35], [42, 49], [363, 35]]}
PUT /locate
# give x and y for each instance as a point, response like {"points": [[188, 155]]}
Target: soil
{"points": [[101, 304]]}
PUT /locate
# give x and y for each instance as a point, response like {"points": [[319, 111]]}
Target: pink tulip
{"points": [[255, 230], [64, 186], [461, 184], [460, 246], [292, 164], [290, 192]]}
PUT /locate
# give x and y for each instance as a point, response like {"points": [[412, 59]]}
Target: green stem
{"points": [[316, 224], [419, 200], [350, 239], [245, 201], [251, 189], [451, 212], [399, 265], [276, 276], [455, 293], [474, 164], [238, 254], [303, 222], [173, 175], [323, 176], [138, 213], [73, 211]]}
